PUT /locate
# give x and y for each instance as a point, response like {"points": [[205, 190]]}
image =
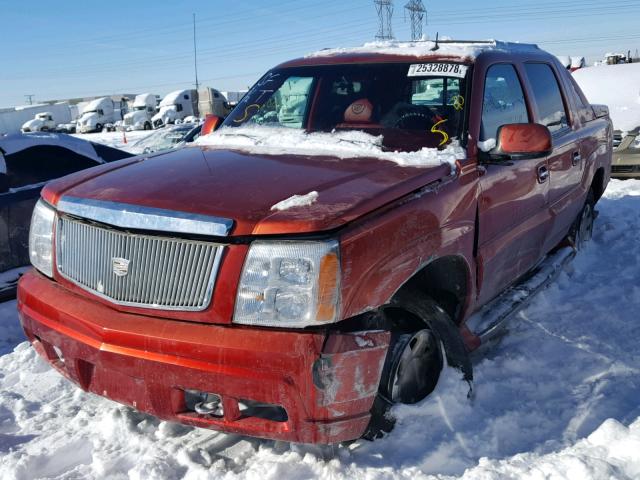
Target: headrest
{"points": [[359, 111]]}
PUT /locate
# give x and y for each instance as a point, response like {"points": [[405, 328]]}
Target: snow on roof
{"points": [[170, 98], [16, 142], [95, 104], [617, 86], [466, 49], [341, 144]]}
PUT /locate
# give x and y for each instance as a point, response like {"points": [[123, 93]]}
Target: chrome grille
{"points": [[137, 270]]}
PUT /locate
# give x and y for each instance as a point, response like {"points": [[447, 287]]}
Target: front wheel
{"points": [[410, 373]]}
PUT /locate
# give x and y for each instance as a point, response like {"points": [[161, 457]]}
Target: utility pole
{"points": [[195, 52], [30, 98], [385, 11], [417, 13]]}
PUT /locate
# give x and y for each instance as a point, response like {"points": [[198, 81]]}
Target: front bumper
{"points": [[325, 382], [626, 164]]}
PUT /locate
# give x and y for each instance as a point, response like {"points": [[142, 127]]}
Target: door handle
{"points": [[575, 160], [543, 173]]}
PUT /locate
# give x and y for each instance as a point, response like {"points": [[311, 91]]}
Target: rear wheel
{"points": [[147, 126], [582, 230]]}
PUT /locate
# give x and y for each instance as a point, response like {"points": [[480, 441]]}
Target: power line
{"points": [[417, 13], [384, 8]]}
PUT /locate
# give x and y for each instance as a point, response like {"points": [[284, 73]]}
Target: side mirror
{"points": [[211, 124], [521, 141]]}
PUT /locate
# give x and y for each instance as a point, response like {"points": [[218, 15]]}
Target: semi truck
{"points": [[179, 104], [143, 110], [42, 122], [96, 115]]}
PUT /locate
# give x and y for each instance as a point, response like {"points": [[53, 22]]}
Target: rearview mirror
{"points": [[211, 124], [521, 141]]}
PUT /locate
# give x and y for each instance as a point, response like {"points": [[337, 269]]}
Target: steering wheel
{"points": [[411, 117]]}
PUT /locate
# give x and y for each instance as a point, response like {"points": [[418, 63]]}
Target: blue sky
{"points": [[70, 48]]}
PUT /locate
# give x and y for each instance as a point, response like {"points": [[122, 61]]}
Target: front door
{"points": [[513, 216]]}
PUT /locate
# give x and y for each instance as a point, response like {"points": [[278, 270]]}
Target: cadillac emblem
{"points": [[120, 266]]}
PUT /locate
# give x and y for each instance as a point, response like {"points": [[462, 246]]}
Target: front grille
{"points": [[137, 270], [128, 121]]}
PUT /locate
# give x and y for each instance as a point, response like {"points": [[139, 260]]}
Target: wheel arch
{"points": [[597, 184]]}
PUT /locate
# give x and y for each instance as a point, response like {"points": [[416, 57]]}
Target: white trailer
{"points": [[95, 115], [143, 110], [12, 119]]}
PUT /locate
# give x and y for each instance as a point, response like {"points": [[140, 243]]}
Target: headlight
{"points": [[289, 284], [41, 238]]}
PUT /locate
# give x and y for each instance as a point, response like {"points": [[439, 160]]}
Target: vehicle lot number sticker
{"points": [[440, 69]]}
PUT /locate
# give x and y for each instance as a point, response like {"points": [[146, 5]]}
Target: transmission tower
{"points": [[385, 11], [417, 13]]}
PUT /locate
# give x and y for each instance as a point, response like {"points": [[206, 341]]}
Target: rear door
{"points": [[566, 164], [513, 211]]}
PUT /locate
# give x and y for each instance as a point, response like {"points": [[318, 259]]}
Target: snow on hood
{"points": [[425, 48], [296, 201], [343, 144], [17, 142], [617, 86], [34, 122]]}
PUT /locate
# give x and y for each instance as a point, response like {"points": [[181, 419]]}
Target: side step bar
{"points": [[487, 322]]}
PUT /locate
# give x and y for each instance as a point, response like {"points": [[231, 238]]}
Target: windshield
{"points": [[162, 139], [140, 108], [411, 105]]}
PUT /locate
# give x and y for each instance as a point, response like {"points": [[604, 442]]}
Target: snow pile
{"points": [[341, 144], [617, 86], [557, 397], [296, 201], [425, 48]]}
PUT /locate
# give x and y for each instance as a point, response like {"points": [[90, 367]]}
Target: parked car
{"points": [[617, 87], [172, 136], [626, 154], [66, 127], [27, 162], [324, 252]]}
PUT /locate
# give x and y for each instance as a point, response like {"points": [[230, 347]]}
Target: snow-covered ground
{"points": [[557, 397], [114, 139]]}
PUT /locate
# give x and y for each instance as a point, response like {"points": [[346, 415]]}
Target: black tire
{"points": [[582, 229], [147, 126], [98, 127], [410, 373]]}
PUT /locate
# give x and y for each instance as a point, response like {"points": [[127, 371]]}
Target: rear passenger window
{"points": [[546, 93], [503, 101]]}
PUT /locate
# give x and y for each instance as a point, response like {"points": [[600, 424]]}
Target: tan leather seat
{"points": [[359, 115]]}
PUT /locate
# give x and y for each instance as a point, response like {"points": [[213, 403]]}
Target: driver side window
{"points": [[503, 101]]}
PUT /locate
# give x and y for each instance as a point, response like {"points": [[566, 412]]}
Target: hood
{"points": [[245, 187], [136, 116], [166, 112], [33, 123], [88, 118]]}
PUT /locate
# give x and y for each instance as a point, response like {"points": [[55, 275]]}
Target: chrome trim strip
{"points": [[208, 293], [125, 215]]}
